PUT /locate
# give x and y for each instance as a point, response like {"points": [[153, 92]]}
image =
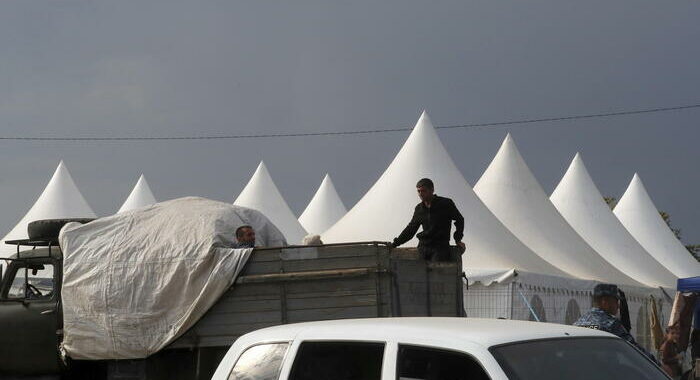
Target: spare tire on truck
{"points": [[48, 229]]}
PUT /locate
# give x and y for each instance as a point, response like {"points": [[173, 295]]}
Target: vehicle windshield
{"points": [[575, 359]]}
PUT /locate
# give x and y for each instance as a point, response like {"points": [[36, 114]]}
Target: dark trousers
{"points": [[430, 253]]}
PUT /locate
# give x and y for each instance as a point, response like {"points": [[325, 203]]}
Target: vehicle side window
{"points": [[338, 361], [415, 362], [261, 362], [33, 281]]}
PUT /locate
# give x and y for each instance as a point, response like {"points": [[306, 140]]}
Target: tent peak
{"points": [[424, 121], [261, 193], [577, 165], [640, 216], [324, 209], [140, 196], [60, 198], [579, 201]]}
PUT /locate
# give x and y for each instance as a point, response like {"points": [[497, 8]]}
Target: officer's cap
{"points": [[603, 290]]}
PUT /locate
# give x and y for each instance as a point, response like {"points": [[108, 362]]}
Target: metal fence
{"points": [[522, 301]]}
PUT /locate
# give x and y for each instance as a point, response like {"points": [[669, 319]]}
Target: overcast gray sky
{"points": [[151, 68]]}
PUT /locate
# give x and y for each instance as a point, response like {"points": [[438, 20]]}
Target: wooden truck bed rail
{"points": [[309, 283]]}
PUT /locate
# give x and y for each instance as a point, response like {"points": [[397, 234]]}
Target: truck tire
{"points": [[48, 229]]}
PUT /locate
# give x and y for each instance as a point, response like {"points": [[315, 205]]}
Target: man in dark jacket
{"points": [[435, 214]]}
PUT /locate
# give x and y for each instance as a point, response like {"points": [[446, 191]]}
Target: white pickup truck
{"points": [[433, 349]]}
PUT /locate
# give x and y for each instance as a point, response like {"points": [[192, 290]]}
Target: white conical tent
{"points": [[262, 194], [637, 212], [512, 193], [579, 201], [140, 196], [60, 199], [324, 209], [387, 207]]}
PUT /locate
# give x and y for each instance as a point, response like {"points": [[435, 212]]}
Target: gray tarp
{"points": [[135, 281]]}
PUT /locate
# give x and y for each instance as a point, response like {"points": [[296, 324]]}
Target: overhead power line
{"points": [[343, 133]]}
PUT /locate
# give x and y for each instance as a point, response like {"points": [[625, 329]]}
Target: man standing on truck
{"points": [[245, 237], [435, 214]]}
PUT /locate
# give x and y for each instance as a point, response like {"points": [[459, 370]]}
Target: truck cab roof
{"points": [[39, 252]]}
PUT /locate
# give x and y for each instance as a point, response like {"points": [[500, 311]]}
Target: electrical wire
{"points": [[345, 133]]}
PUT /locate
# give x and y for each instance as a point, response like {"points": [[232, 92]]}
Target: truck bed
{"points": [[301, 284]]}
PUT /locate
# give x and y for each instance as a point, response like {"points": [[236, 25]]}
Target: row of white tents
{"points": [[511, 222], [528, 254]]}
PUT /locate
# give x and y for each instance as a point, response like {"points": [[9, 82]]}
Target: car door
{"points": [[29, 317]]}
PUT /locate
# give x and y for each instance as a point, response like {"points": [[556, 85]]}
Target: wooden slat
{"points": [[240, 306], [336, 284], [352, 300], [332, 313], [304, 276], [329, 263]]}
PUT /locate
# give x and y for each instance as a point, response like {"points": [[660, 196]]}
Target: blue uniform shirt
{"points": [[599, 319]]}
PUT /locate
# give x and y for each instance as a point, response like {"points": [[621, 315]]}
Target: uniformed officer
{"points": [[606, 304]]}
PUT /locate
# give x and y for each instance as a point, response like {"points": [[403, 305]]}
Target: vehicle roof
{"points": [[38, 252], [485, 332]]}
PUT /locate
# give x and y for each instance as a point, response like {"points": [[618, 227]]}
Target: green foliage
{"points": [[611, 201], [694, 249]]}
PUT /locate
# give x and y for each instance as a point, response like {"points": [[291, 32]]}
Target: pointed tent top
{"points": [[386, 208], [262, 194], [424, 117], [514, 195], [637, 212], [580, 202], [324, 209], [60, 199], [261, 168], [140, 196]]}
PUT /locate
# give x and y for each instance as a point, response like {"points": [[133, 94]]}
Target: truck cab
{"points": [[277, 286], [30, 313]]}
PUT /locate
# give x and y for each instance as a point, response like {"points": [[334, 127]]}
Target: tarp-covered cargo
{"points": [[135, 281]]}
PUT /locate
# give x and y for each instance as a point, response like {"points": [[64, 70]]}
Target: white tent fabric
{"points": [[512, 193], [639, 215], [521, 295], [387, 207], [324, 209], [262, 194], [133, 282], [140, 196], [579, 201], [60, 199]]}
